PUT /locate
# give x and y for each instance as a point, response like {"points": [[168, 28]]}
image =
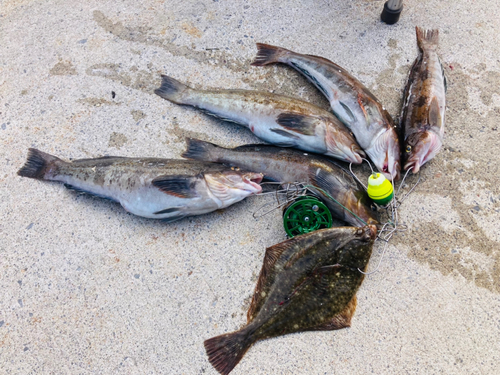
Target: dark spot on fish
{"points": [[422, 101], [113, 94], [137, 275]]}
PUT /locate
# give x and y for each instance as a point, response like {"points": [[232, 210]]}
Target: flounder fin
{"points": [[434, 113], [301, 124], [267, 54], [225, 351], [181, 186], [339, 321], [266, 276]]}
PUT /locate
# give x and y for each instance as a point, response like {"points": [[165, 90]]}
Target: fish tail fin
{"points": [[37, 164], [172, 90], [200, 150], [267, 54], [225, 351], [427, 39]]}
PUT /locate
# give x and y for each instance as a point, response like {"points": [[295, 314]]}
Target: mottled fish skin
{"points": [[423, 117], [277, 119], [306, 283], [350, 101], [288, 165], [166, 189]]}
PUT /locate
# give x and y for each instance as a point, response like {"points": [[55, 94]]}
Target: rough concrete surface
{"points": [[86, 288]]}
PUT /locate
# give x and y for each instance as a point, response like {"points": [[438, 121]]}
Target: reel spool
{"points": [[304, 215]]}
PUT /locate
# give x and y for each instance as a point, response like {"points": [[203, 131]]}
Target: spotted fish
{"points": [[350, 101], [343, 195], [277, 119], [422, 121], [166, 189], [307, 283]]}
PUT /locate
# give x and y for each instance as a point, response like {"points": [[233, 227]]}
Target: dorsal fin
{"points": [[267, 274]]}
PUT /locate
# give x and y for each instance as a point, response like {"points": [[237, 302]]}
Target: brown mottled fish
{"points": [[307, 283], [277, 119], [334, 185], [350, 101], [422, 121], [166, 189]]}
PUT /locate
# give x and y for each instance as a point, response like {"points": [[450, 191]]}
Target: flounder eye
{"points": [[408, 148]]}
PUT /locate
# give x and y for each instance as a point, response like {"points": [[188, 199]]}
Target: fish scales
{"points": [[350, 101], [351, 203], [306, 283], [423, 114], [166, 189], [277, 119]]}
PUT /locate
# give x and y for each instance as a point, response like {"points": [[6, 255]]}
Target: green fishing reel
{"points": [[306, 214]]}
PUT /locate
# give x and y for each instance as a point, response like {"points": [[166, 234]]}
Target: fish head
{"points": [[342, 145], [385, 153], [233, 185], [356, 253], [421, 147]]}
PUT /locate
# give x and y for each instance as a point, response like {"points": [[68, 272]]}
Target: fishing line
{"points": [[295, 190], [292, 191], [393, 221]]}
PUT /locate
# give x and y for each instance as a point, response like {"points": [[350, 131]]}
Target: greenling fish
{"points": [[350, 101], [307, 283], [166, 189], [350, 202], [422, 121], [276, 119]]}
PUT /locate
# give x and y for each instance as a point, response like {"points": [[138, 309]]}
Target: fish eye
{"points": [[408, 148]]}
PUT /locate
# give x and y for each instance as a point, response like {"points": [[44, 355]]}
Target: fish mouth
{"points": [[367, 233], [426, 148], [357, 154], [384, 153], [254, 181]]}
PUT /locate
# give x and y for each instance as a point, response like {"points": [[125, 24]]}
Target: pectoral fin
{"points": [[298, 123], [181, 186]]}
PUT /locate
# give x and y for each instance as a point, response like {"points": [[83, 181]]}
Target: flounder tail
{"points": [[427, 39], [37, 164], [267, 54], [225, 351]]}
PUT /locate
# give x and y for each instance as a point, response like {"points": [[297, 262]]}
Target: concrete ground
{"points": [[86, 288]]}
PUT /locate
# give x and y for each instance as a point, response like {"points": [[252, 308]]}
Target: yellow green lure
{"points": [[380, 189]]}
